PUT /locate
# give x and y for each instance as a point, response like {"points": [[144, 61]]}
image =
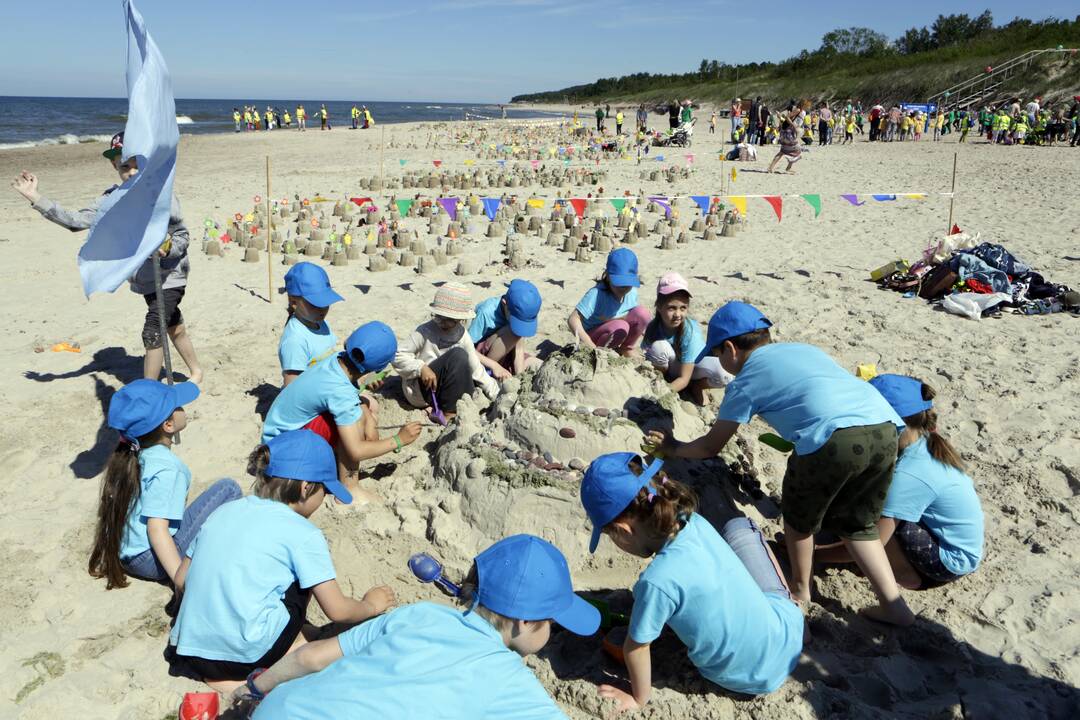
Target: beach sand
{"points": [[1001, 643]]}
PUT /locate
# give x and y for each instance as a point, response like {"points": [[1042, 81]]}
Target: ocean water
{"points": [[30, 121]]}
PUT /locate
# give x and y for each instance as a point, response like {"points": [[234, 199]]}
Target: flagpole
{"points": [[163, 326], [952, 196], [269, 245]]}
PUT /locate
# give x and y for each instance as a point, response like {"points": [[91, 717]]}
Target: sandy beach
{"points": [[1001, 643]]}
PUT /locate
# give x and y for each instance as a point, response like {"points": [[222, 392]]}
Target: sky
{"points": [[441, 50]]}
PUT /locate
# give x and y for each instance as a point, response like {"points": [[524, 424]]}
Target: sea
{"points": [[29, 121]]}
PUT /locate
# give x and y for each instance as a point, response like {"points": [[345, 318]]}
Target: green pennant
{"points": [[618, 204], [815, 202], [403, 207]]}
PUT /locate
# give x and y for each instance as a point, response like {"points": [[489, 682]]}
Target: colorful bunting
{"points": [[402, 162], [436, 163], [535, 202], [815, 202], [502, 163], [662, 202], [702, 202], [690, 158], [916, 196], [403, 206], [535, 164], [491, 206], [469, 162], [884, 198], [361, 200], [777, 203], [659, 158], [618, 204], [853, 199], [450, 206], [739, 201], [579, 206]]}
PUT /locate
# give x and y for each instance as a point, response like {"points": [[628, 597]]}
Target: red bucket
{"points": [[199, 706]]}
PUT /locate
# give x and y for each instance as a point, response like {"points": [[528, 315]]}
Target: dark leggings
{"points": [[455, 377]]}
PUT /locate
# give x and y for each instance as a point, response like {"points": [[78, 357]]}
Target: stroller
{"points": [[680, 138]]}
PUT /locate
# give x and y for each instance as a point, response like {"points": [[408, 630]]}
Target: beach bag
{"points": [[937, 282]]}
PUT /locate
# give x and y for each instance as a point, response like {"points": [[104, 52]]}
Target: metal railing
{"points": [[964, 94]]}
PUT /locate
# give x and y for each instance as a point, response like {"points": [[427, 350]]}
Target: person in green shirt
{"points": [[687, 113], [599, 119]]}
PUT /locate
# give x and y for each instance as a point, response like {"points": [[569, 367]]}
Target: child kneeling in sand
{"points": [[932, 522], [845, 438], [500, 327], [307, 339], [608, 315], [250, 573], [722, 593], [673, 341], [438, 363], [143, 528], [326, 400], [429, 660]]}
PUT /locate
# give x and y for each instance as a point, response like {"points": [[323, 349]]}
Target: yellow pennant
{"points": [[734, 174], [534, 202], [470, 162], [739, 201], [916, 196]]}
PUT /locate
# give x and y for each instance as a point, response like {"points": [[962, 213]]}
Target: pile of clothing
{"points": [[976, 279]]}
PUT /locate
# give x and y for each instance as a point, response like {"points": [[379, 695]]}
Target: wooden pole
{"points": [[382, 155], [952, 197], [269, 245]]}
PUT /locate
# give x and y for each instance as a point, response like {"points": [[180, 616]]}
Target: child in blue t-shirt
{"points": [[608, 315], [673, 340], [326, 399], [428, 660], [722, 593], [251, 571], [143, 527], [500, 326], [307, 339], [932, 522], [844, 436]]}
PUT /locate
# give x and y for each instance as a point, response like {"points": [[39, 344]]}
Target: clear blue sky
{"points": [[468, 50]]}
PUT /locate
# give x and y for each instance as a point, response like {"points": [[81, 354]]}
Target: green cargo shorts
{"points": [[841, 487]]}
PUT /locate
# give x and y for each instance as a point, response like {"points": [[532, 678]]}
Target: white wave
{"points": [[65, 139], [184, 120], [433, 107]]}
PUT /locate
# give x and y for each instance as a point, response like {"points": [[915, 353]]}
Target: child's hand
{"points": [[428, 378], [500, 373], [380, 599], [409, 432], [654, 441], [26, 184], [624, 701]]}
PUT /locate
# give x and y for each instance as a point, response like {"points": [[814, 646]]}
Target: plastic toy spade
{"points": [[429, 570]]}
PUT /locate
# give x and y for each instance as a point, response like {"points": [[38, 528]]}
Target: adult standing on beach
{"points": [[736, 117], [673, 114], [301, 118], [599, 119], [172, 257], [323, 118], [642, 119], [762, 122], [824, 116], [752, 120]]}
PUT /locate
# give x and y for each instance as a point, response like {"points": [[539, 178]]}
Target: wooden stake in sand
{"points": [[952, 196], [163, 325], [269, 233]]}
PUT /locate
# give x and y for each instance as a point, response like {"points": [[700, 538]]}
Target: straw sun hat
{"points": [[453, 300]]}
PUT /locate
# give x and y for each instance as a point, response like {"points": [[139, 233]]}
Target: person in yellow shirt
{"points": [[618, 122], [368, 120], [288, 119], [301, 118], [905, 127], [849, 130], [355, 117], [323, 118], [269, 115], [236, 118], [247, 119]]}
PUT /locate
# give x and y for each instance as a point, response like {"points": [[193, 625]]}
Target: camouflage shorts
{"points": [[841, 487]]}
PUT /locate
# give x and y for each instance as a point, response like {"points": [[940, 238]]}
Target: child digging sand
{"points": [[307, 339], [173, 258], [722, 593], [608, 315], [326, 399], [673, 340], [500, 327], [438, 363], [249, 575], [143, 528], [429, 660], [845, 438], [932, 522]]}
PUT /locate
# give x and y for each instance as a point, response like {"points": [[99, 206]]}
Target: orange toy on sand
{"points": [[613, 643], [66, 347]]}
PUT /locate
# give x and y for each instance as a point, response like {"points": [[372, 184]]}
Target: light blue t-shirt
{"points": [[300, 345], [690, 345], [322, 388], [804, 395], [597, 306], [163, 487], [246, 555], [489, 319], [738, 636], [419, 661], [944, 500]]}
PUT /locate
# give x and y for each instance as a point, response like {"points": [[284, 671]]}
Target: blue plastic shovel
{"points": [[429, 570]]}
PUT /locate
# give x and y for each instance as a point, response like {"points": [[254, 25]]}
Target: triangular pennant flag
{"points": [[777, 203], [578, 205], [702, 202], [436, 163], [955, 230], [739, 201], [450, 206], [690, 158], [402, 162], [535, 202], [815, 202], [659, 158], [734, 174], [361, 200], [470, 162], [403, 207], [502, 163], [916, 196], [662, 202], [884, 198], [566, 162], [618, 204], [853, 199], [491, 205], [534, 163]]}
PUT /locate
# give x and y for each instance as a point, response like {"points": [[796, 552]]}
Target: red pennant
{"points": [[437, 163], [579, 206], [777, 203], [360, 201], [955, 229]]}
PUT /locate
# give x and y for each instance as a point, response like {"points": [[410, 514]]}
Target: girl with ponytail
{"points": [[932, 522]]}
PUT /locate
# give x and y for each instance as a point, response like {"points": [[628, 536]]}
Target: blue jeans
{"points": [[145, 565], [746, 540]]}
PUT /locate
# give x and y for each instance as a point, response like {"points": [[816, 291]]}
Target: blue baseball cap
{"points": [[526, 578], [309, 281], [523, 306], [371, 347], [608, 488], [903, 393], [302, 455], [140, 407], [622, 268], [731, 320]]}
